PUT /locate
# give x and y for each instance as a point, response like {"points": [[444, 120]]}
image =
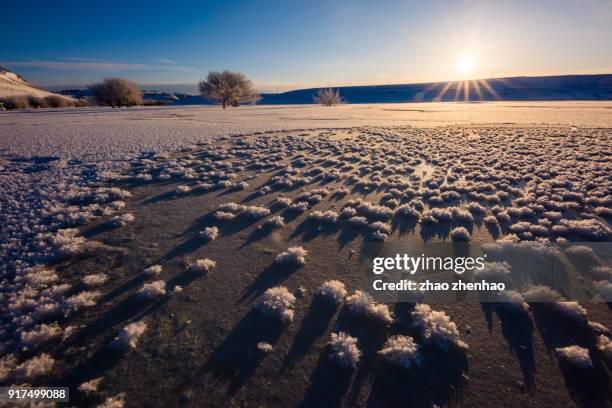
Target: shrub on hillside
{"points": [[56, 101], [36, 102], [30, 101], [15, 102]]}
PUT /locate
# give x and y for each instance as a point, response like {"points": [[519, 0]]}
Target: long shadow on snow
{"points": [[370, 335], [310, 230], [130, 309], [405, 225], [348, 234], [328, 384], [588, 387], [271, 276], [235, 360], [314, 325], [436, 383], [517, 329]]}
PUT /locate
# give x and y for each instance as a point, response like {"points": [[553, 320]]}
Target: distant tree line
{"points": [[226, 88]]}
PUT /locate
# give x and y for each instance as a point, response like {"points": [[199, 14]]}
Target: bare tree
{"points": [[117, 92], [228, 88], [328, 97]]}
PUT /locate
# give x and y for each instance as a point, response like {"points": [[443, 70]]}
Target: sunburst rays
{"points": [[467, 90]]}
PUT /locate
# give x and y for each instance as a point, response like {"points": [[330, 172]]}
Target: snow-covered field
{"points": [[176, 261]]}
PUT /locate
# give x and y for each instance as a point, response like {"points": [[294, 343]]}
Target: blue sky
{"points": [[294, 44]]}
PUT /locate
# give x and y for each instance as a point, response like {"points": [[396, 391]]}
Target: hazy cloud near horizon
{"points": [[96, 66]]}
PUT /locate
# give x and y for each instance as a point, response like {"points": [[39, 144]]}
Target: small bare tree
{"points": [[117, 92], [228, 88], [328, 97]]}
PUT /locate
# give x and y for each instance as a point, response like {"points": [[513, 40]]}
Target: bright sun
{"points": [[465, 64]]}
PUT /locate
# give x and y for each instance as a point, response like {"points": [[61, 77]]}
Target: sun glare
{"points": [[465, 64]]}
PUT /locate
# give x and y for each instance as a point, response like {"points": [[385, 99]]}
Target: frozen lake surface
{"points": [[105, 250], [105, 133]]}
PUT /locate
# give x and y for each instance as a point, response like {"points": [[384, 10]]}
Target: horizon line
{"points": [[348, 84]]}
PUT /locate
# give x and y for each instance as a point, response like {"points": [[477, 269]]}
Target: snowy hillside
{"points": [[12, 84], [550, 88]]}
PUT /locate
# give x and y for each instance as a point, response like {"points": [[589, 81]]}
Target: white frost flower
{"points": [[299, 206], [362, 304], [231, 207], [97, 279], [436, 328], [293, 255], [153, 290], [460, 234], [490, 220], [203, 265], [91, 386], [129, 335], [581, 253], [274, 222], [113, 402], [121, 220], [209, 233], [401, 351], [511, 301], [408, 212], [344, 350], [575, 355], [254, 212], [498, 272], [329, 217], [182, 189], [34, 367], [224, 215], [540, 293], [153, 270], [604, 345], [571, 310], [39, 335], [265, 347], [348, 212], [381, 227], [334, 291], [358, 221], [277, 302], [82, 300], [283, 201]]}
